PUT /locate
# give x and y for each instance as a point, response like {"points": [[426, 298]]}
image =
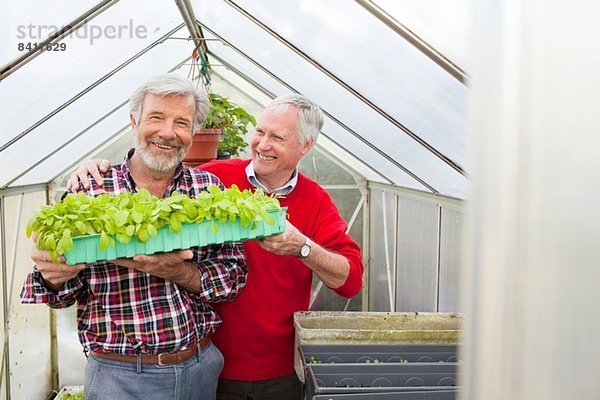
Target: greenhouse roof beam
{"points": [[415, 40], [187, 13], [56, 37], [346, 86]]}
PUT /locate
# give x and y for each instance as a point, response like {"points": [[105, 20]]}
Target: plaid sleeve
{"points": [[222, 270], [34, 291]]}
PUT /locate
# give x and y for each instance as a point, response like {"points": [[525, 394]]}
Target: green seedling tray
{"points": [[86, 248]]}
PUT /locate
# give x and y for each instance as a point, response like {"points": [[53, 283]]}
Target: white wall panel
{"points": [[29, 325], [382, 255], [533, 296], [417, 260], [451, 258]]}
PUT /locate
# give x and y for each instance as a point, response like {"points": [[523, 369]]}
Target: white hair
{"points": [[310, 116], [170, 85]]}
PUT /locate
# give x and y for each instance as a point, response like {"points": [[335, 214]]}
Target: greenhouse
{"points": [[459, 145]]}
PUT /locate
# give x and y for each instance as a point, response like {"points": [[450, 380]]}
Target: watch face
{"points": [[305, 250]]}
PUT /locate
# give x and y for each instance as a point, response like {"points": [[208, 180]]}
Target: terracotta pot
{"points": [[204, 147]]}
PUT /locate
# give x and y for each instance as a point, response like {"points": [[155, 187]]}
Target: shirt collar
{"points": [[283, 190], [125, 169]]}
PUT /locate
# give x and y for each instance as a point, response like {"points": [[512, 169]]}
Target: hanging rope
{"points": [[200, 69]]}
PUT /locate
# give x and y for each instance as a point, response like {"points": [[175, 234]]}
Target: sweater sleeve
{"points": [[329, 231]]}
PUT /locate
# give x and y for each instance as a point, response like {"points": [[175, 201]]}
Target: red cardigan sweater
{"points": [[257, 334]]}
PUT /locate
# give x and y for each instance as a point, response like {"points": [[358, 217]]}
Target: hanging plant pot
{"points": [[204, 147]]}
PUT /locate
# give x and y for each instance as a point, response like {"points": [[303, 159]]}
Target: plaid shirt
{"points": [[127, 311]]}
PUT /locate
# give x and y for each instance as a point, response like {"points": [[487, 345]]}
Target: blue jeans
{"points": [[194, 379]]}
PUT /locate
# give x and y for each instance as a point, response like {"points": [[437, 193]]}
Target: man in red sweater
{"points": [[257, 333]]}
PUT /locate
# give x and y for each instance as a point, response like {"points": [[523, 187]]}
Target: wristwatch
{"points": [[305, 249]]}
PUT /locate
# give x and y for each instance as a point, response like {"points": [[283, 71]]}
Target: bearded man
{"points": [[145, 322]]}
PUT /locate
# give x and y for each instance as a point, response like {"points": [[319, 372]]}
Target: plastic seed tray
{"points": [[420, 395], [374, 328], [86, 248], [325, 354], [380, 378]]}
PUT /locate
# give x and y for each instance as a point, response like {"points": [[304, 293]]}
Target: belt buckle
{"points": [[160, 361]]}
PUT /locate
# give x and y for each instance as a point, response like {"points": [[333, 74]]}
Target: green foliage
{"points": [[73, 396], [233, 121], [314, 360], [141, 214]]}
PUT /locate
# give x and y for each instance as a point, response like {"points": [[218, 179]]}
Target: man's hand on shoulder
{"points": [[95, 168]]}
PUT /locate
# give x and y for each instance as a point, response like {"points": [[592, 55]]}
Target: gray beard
{"points": [[158, 163]]}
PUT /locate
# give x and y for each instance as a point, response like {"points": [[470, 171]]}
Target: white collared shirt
{"points": [[285, 189]]}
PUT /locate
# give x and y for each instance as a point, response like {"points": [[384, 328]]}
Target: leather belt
{"points": [[161, 359]]}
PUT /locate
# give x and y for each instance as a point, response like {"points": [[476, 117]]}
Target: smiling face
{"points": [[163, 134], [276, 146]]}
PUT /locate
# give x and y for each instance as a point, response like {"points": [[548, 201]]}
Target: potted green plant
{"points": [[226, 123], [233, 122]]}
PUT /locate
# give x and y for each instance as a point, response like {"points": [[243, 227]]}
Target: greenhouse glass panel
{"points": [[428, 100], [323, 170], [347, 201], [372, 128], [31, 22], [451, 258], [3, 355], [96, 117], [71, 362], [379, 64], [417, 246], [224, 79], [357, 166], [332, 129], [29, 326], [382, 254], [443, 24], [62, 76]]}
